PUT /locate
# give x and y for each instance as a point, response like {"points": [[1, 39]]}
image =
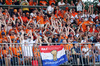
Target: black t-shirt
{"points": [[16, 3]]}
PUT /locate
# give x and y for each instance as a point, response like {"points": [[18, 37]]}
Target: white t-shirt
{"points": [[27, 47], [97, 45], [98, 4], [50, 9], [79, 6], [60, 4], [33, 14], [93, 16], [85, 50]]}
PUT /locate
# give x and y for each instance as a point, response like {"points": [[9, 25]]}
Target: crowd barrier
{"points": [[30, 55], [21, 6]]}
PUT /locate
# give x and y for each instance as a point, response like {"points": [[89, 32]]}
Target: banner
{"points": [[53, 55]]}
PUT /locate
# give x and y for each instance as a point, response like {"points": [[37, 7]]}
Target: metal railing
{"points": [[20, 6], [29, 54]]}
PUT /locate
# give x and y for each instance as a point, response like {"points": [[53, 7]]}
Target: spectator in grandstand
{"points": [[17, 2], [27, 47], [52, 1], [66, 3], [1, 2], [97, 46], [85, 54], [98, 5], [17, 54], [32, 3], [75, 53], [61, 3], [7, 53], [43, 3], [72, 4], [8, 2], [50, 9]]}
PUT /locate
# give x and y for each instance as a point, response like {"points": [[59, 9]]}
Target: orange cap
{"points": [[15, 10], [66, 8], [85, 10], [27, 13]]}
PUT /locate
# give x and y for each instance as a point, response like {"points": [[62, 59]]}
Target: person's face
{"points": [[14, 28], [3, 36], [71, 2], [23, 14], [73, 10], [61, 0], [50, 40], [30, 17], [13, 16], [76, 45], [12, 33], [25, 37], [6, 10], [96, 12], [52, 5], [98, 28], [20, 10], [90, 18], [64, 41], [82, 19], [85, 46], [2, 29], [66, 1], [88, 27]]}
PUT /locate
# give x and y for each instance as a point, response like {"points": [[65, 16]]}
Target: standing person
{"points": [[97, 45], [79, 5], [75, 54], [98, 5], [85, 52], [50, 10], [27, 49], [7, 53]]}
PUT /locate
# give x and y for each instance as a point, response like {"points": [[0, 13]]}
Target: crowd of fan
{"points": [[46, 26]]}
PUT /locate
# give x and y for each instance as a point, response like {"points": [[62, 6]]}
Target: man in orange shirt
{"points": [[73, 12], [40, 19], [9, 2], [52, 1]]}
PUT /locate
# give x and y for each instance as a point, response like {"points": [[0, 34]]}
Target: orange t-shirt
{"points": [[12, 30], [12, 37], [17, 51], [36, 52], [41, 20], [9, 2], [6, 52], [67, 46], [79, 22], [84, 26], [51, 1], [31, 3], [43, 2], [74, 14]]}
